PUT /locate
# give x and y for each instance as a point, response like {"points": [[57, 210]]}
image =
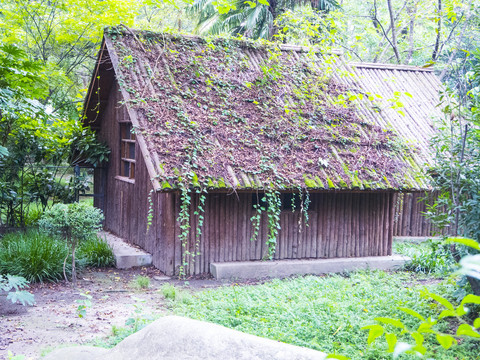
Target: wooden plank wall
{"points": [[126, 204], [409, 219], [340, 225]]}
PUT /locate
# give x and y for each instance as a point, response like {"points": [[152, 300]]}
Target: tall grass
{"points": [[33, 255], [96, 252], [39, 257]]}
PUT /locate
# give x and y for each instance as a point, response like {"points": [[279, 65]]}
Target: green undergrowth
{"points": [[95, 252], [324, 313], [33, 255], [39, 257], [428, 257]]}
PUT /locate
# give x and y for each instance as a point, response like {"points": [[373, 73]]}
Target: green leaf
{"points": [[375, 332], [418, 338], [467, 330], [441, 300], [447, 313], [412, 312], [464, 241], [425, 328], [337, 356], [395, 322], [471, 299], [391, 341], [264, 2], [445, 340], [476, 323], [3, 152]]}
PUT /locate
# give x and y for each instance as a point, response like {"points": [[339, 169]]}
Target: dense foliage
{"points": [[254, 19], [39, 257], [33, 255], [327, 313], [35, 142], [73, 223]]}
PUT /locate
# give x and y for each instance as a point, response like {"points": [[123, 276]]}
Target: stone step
{"points": [[126, 255]]}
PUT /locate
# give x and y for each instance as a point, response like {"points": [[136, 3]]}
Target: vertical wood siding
{"points": [[340, 225], [126, 204], [409, 217]]}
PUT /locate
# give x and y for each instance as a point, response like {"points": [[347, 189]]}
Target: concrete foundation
{"points": [[284, 268], [126, 255]]}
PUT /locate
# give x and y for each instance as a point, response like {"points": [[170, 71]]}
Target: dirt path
{"points": [[54, 320]]}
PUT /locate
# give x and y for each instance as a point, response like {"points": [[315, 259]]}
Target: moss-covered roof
{"points": [[225, 113]]}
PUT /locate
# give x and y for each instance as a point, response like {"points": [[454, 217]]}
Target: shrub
{"points": [[33, 255], [430, 257], [77, 221], [96, 252], [74, 223]]}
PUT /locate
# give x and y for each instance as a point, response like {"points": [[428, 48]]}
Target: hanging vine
{"points": [[256, 219], [200, 214], [150, 209], [273, 214], [184, 221], [210, 114]]}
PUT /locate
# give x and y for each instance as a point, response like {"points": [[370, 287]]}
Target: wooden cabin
{"points": [[200, 129]]}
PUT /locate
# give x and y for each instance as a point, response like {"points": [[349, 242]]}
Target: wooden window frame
{"points": [[127, 153]]}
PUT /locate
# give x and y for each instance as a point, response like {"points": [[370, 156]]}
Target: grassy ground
{"points": [[323, 313]]}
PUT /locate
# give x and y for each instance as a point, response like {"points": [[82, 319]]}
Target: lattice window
{"points": [[127, 151]]}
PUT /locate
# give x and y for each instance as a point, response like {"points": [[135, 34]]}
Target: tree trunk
{"points": [[74, 271], [272, 29], [435, 53], [412, 13], [394, 34]]}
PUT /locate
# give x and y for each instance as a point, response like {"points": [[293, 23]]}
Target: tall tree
{"points": [[63, 35], [254, 19], [409, 31]]}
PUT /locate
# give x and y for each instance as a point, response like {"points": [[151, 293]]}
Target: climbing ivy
{"points": [[290, 103], [150, 209], [273, 214], [184, 221], [257, 217]]}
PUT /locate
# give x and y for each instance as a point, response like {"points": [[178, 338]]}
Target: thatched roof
{"points": [[226, 113]]}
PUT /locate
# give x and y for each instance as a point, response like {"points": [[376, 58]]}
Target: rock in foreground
{"points": [[175, 337]]}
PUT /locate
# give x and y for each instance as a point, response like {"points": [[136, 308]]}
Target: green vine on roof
{"points": [[210, 105]]}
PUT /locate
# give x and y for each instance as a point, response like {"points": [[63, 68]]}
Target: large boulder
{"points": [[174, 337]]}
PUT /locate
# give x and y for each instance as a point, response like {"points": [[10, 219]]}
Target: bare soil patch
{"points": [[54, 320]]}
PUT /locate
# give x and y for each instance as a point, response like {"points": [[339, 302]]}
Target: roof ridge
{"points": [[250, 43]]}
